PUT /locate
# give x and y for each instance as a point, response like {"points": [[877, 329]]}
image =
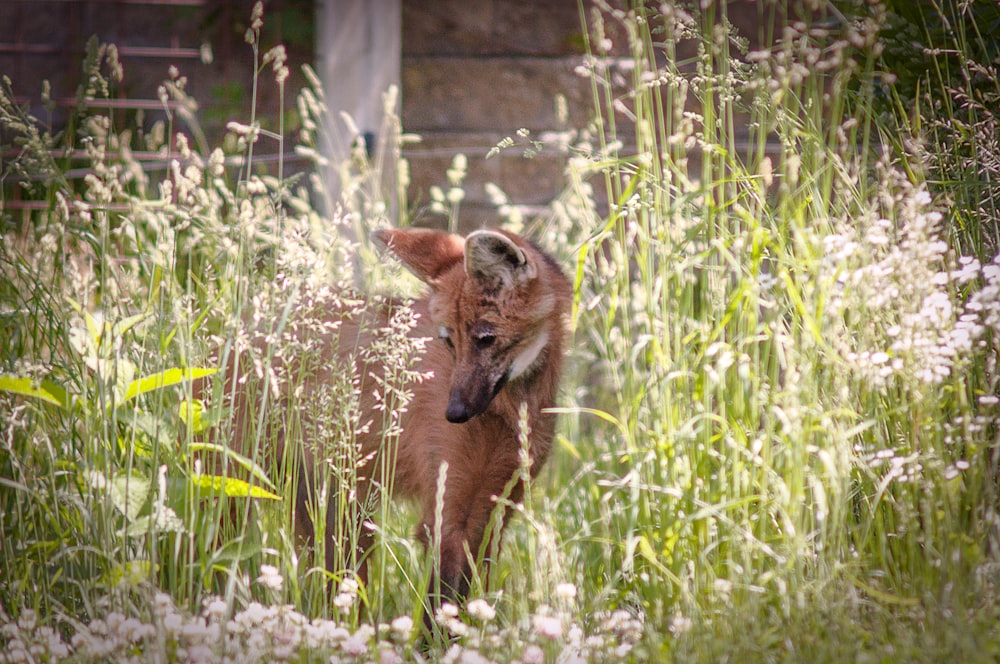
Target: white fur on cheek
{"points": [[526, 358]]}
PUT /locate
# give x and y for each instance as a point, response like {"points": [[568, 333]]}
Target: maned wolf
{"points": [[498, 311]]}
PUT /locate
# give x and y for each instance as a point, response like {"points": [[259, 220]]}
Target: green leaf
{"points": [[128, 493], [66, 400], [604, 415], [130, 573], [123, 326], [649, 554], [164, 379], [192, 413], [165, 520], [26, 388], [214, 485], [246, 463], [235, 551], [808, 321], [157, 431]]}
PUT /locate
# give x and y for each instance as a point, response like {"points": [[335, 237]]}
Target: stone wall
{"points": [[474, 72], [203, 39]]}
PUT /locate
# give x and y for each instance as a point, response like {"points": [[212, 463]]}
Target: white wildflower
{"points": [[344, 601], [133, 630], [445, 611], [968, 270], [243, 130], [386, 655], [566, 591], [480, 610], [172, 623], [256, 186], [679, 624], [447, 616], [216, 163], [216, 608], [402, 628], [257, 16], [270, 577], [253, 615], [27, 620], [533, 655], [162, 604], [549, 627], [470, 656], [357, 644]]}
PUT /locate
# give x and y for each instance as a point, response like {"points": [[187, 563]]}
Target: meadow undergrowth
{"points": [[778, 438]]}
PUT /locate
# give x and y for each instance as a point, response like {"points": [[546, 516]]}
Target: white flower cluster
{"points": [[260, 633], [256, 634], [984, 305], [551, 635], [347, 595], [895, 301], [270, 577], [27, 641]]}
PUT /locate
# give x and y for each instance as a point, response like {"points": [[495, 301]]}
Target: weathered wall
{"points": [[45, 39], [473, 72], [476, 71]]}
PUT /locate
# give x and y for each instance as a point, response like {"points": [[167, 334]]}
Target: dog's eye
{"points": [[445, 334]]}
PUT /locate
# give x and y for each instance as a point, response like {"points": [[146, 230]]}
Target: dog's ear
{"points": [[426, 253], [496, 261]]}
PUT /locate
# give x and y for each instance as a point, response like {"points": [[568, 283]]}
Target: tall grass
{"points": [[779, 432], [798, 406]]}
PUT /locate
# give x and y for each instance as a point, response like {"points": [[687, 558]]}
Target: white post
{"points": [[358, 56]]}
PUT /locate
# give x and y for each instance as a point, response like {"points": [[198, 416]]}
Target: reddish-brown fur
{"points": [[504, 309]]}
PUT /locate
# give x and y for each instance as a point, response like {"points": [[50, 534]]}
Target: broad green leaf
{"points": [[24, 387], [165, 520], [94, 329], [604, 415], [131, 573], [246, 463], [808, 321], [156, 430], [13, 485], [124, 325], [192, 414], [66, 400], [209, 485], [649, 554], [77, 307], [234, 551], [568, 445], [164, 379], [129, 492]]}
